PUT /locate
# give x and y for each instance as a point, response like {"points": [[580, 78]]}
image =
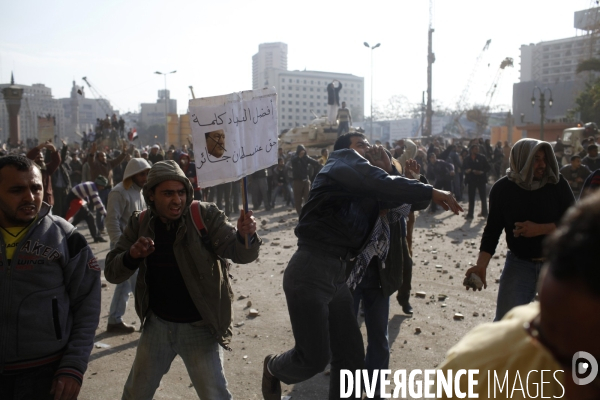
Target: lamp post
{"points": [[166, 103], [542, 93], [372, 48]]}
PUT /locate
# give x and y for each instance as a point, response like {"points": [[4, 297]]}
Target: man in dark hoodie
{"points": [[301, 182], [182, 294], [345, 201]]}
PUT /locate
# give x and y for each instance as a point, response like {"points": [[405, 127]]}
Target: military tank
{"points": [[318, 134]]}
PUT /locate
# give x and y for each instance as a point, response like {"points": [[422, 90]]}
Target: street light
{"points": [[166, 103], [542, 93], [372, 48]]}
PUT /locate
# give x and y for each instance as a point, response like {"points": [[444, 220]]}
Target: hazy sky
{"points": [[119, 44]]}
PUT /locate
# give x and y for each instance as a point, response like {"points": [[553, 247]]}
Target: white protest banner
{"points": [[234, 135]]}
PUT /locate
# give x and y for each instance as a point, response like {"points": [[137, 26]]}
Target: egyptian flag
{"points": [[132, 135]]}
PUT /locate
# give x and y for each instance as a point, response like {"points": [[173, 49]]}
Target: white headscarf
{"points": [[521, 163]]}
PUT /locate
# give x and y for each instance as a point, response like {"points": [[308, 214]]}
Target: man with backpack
{"points": [[183, 294]]}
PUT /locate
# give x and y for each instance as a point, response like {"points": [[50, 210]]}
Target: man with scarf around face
{"points": [[527, 204]]}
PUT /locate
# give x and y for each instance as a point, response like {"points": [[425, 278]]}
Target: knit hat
{"points": [[101, 181], [134, 166], [166, 171]]}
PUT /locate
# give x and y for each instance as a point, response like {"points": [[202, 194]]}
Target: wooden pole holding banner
{"points": [[244, 183]]}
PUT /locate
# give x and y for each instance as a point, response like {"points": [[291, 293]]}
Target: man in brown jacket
{"points": [[99, 165], [47, 168]]}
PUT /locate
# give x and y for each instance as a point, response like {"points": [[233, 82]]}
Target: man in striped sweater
{"points": [[87, 192]]}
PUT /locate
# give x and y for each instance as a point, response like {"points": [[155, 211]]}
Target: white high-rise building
{"points": [[270, 55], [302, 95]]}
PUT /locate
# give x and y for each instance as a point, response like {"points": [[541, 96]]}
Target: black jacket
{"points": [[478, 164], [345, 200], [300, 165], [333, 94]]}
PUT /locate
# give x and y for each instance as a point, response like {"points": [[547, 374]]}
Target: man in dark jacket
{"points": [[333, 99], [345, 201], [592, 161], [61, 183], [280, 183], [301, 181], [475, 167], [443, 172]]}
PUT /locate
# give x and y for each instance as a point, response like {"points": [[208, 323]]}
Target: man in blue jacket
{"points": [[50, 286], [345, 200]]}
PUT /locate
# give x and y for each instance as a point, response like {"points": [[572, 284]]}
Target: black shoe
{"points": [[405, 304], [99, 239], [468, 217], [271, 386], [120, 327]]}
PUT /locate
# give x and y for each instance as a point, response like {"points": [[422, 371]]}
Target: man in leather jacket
{"points": [[344, 203]]}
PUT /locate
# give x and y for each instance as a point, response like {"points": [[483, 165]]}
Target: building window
{"points": [[297, 95], [290, 110], [311, 103], [297, 103], [304, 89], [304, 96], [304, 110], [297, 80], [304, 117]]}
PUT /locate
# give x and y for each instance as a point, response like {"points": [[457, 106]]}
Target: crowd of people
{"points": [[356, 208]]}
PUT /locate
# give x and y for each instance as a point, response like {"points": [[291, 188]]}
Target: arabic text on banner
{"points": [[234, 135]]}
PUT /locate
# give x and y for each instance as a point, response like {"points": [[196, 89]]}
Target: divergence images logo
{"points": [[584, 364]]}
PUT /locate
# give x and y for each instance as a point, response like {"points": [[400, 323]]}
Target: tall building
{"points": [[553, 65], [37, 102], [302, 95], [270, 55]]}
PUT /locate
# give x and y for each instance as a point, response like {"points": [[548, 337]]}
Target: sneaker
{"points": [[271, 386], [99, 239], [120, 327]]}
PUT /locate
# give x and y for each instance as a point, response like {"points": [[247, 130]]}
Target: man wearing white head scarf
{"points": [[527, 204]]}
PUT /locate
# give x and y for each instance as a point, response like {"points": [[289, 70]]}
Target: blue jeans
{"points": [[323, 323], [118, 305], [284, 189], [377, 310], [160, 342], [518, 284]]}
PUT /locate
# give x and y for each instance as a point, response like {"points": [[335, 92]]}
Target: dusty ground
{"points": [[440, 240]]}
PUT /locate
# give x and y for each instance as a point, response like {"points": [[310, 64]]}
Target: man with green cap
{"points": [[183, 295]]}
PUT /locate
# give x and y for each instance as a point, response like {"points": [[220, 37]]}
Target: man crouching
{"points": [[182, 294]]}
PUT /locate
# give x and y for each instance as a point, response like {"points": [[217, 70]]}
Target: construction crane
{"points": [[481, 115], [461, 105], [98, 97]]}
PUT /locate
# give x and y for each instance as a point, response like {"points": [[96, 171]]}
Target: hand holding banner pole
{"points": [[244, 183]]}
